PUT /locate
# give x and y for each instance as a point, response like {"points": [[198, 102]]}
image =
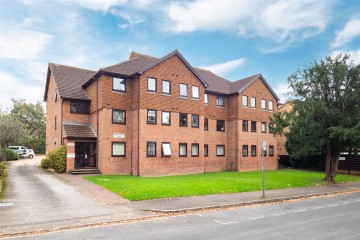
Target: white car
{"points": [[23, 151]]}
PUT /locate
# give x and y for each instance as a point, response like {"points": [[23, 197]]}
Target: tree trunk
{"points": [[331, 164]]}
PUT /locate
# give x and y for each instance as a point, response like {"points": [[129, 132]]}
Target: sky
{"points": [[232, 38]]}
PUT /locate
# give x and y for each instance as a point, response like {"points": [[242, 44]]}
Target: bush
{"points": [[58, 159], [11, 154], [2, 169], [45, 163]]}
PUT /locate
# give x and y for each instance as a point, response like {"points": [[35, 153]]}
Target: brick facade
{"points": [[137, 133]]}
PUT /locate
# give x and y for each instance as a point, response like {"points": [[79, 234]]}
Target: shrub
{"points": [[58, 159], [11, 154], [2, 169], [45, 163]]}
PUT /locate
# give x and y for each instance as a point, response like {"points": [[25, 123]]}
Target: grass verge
{"points": [[143, 188]]}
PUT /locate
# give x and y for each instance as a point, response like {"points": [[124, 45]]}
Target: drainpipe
{"points": [[61, 122], [237, 133], [97, 123], [138, 162]]}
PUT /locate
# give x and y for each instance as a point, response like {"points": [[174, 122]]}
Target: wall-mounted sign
{"points": [[71, 144], [70, 155], [118, 135]]}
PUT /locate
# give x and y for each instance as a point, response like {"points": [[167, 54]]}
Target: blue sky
{"points": [[233, 38]]}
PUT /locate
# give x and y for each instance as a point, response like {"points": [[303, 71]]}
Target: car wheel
{"points": [[31, 156]]}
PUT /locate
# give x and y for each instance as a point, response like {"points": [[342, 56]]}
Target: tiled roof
{"points": [[70, 79], [78, 130], [216, 84]]}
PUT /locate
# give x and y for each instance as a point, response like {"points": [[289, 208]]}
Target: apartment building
{"points": [[151, 116]]}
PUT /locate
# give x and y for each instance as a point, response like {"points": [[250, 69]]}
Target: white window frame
{"points": [[151, 84], [163, 117], [183, 89], [253, 102], [206, 99], [263, 104], [119, 84], [121, 152], [195, 91], [245, 101], [271, 106], [165, 149], [164, 82], [263, 127]]}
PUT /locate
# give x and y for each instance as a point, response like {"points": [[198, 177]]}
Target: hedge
{"points": [[11, 154], [57, 160]]}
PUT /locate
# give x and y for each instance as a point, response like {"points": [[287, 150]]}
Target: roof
{"points": [[78, 130], [69, 81]]}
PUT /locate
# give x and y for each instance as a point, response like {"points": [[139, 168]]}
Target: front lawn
{"points": [[143, 188]]}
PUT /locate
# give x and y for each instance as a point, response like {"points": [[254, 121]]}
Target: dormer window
{"points": [[119, 84], [81, 107]]}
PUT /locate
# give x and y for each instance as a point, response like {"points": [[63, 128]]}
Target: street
{"points": [[336, 217]]}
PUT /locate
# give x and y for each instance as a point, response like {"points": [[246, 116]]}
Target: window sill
{"points": [[196, 99], [118, 91], [166, 94], [151, 92], [184, 97], [220, 106]]}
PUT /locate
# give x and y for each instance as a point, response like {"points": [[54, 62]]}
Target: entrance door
{"points": [[85, 155]]}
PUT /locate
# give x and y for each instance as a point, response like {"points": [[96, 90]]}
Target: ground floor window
{"points": [[220, 150], [271, 150], [245, 150], [166, 149], [195, 149], [118, 149], [206, 150], [151, 149], [183, 149], [253, 150]]}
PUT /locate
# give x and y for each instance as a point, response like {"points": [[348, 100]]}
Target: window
{"points": [[206, 100], [166, 87], [263, 104], [253, 102], [271, 105], [151, 149], [220, 101], [183, 90], [271, 150], [55, 95], [220, 150], [165, 149], [253, 126], [264, 151], [195, 120], [195, 149], [245, 101], [183, 119], [271, 128], [80, 107], [165, 118], [220, 125], [182, 149], [151, 116], [263, 127], [195, 92], [244, 150], [118, 149], [151, 85], [55, 123], [206, 150], [253, 150], [119, 84], [118, 116], [206, 124], [245, 125]]}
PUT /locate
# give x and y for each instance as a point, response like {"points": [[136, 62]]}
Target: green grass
{"points": [[143, 188]]}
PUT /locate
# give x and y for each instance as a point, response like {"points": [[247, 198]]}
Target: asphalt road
{"points": [[321, 218]]}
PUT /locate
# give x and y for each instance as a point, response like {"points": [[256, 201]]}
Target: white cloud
{"points": [[98, 5], [223, 68], [350, 31], [277, 20], [282, 91], [354, 55]]}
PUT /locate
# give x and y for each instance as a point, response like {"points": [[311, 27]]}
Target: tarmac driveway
{"points": [[37, 199]]}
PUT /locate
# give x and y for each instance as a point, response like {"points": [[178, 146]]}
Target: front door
{"points": [[85, 155]]}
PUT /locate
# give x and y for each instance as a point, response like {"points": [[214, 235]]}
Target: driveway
{"points": [[38, 199]]}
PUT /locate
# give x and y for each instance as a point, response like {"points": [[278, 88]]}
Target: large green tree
{"points": [[11, 130], [325, 119]]}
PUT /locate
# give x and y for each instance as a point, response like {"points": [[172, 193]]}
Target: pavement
{"points": [[85, 204]]}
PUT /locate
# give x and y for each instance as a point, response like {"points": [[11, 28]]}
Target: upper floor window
{"points": [[220, 125], [195, 92], [253, 126], [220, 101], [119, 84], [165, 149], [271, 150], [165, 118], [263, 127], [195, 149], [183, 90], [151, 86], [195, 120], [166, 87], [182, 119], [81, 107], [271, 105], [263, 104], [206, 124], [206, 100], [245, 101], [245, 125], [244, 150], [151, 116], [118, 116], [253, 102], [220, 150]]}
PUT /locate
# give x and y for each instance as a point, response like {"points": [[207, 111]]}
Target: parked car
{"points": [[23, 151]]}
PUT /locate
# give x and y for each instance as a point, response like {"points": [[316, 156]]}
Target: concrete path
{"points": [[37, 199]]}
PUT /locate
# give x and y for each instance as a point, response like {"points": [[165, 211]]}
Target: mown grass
{"points": [[142, 188]]}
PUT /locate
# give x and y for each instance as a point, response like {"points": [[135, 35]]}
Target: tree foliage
{"points": [[326, 113], [11, 130]]}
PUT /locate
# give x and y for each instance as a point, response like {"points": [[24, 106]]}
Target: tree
{"points": [[11, 130], [326, 115], [33, 118]]}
